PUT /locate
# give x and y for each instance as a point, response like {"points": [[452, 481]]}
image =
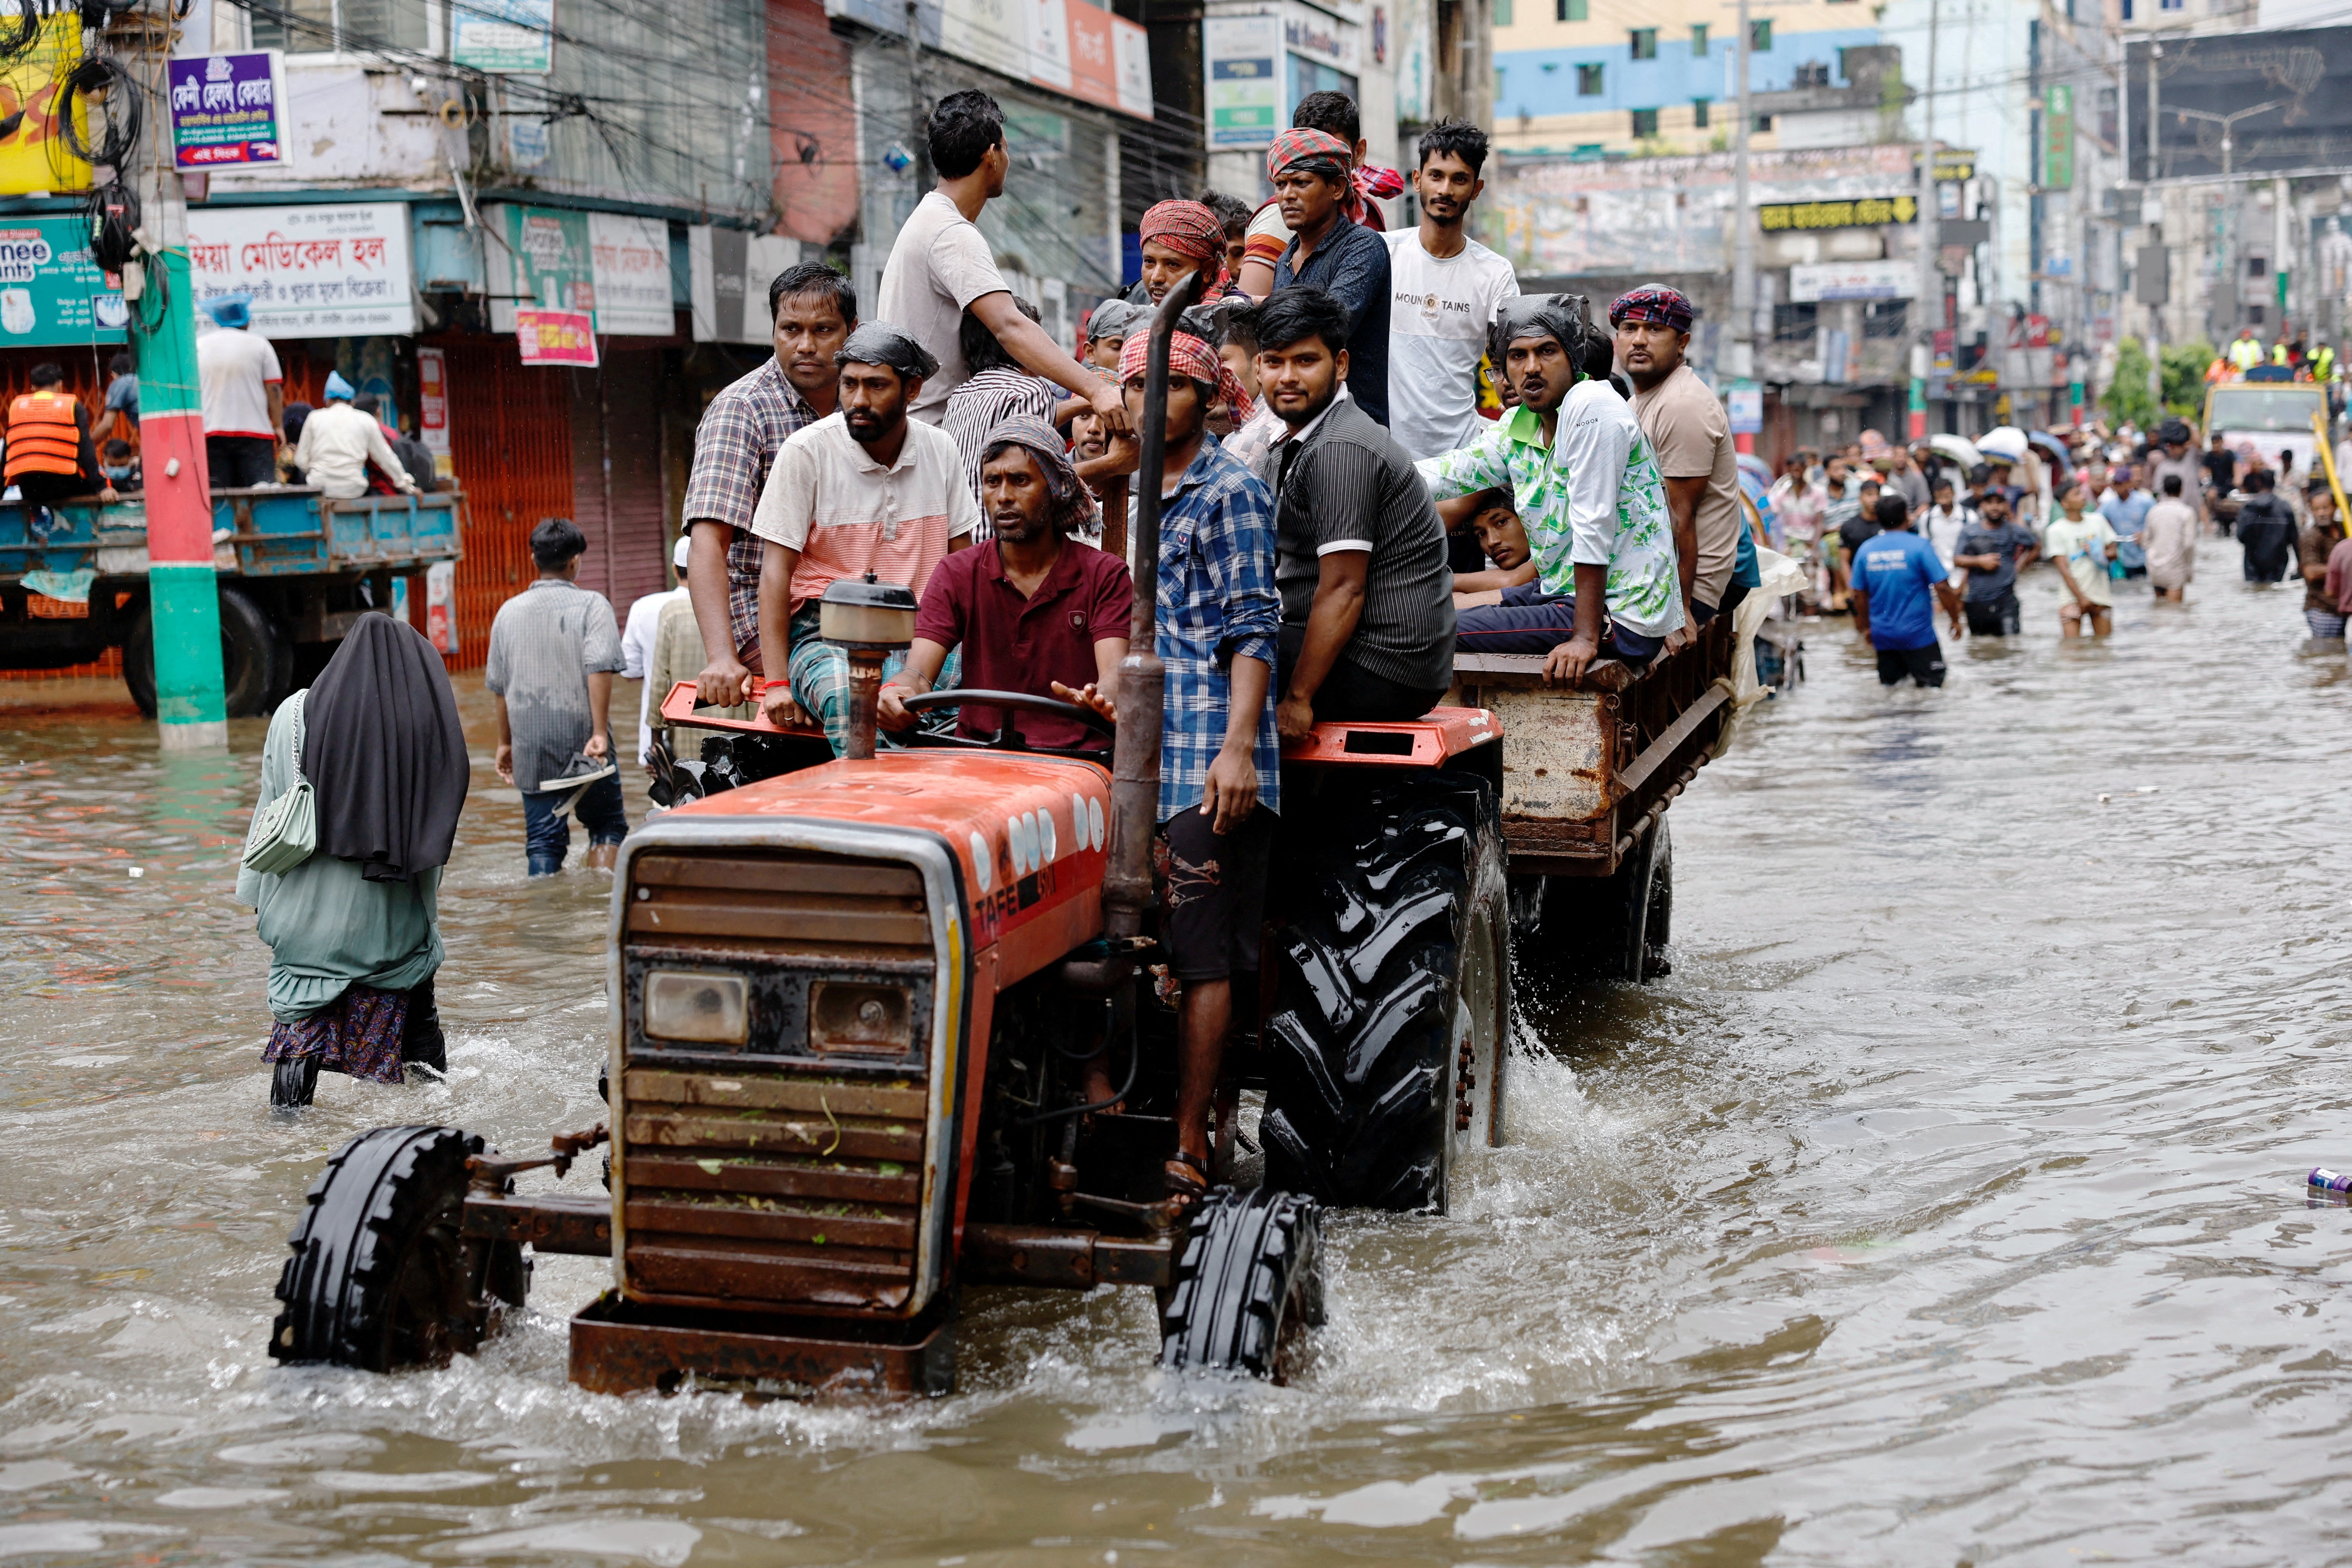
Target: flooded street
{"points": [[1945, 1205]]}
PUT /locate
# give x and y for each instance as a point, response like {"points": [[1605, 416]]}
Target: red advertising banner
{"points": [[557, 337]]}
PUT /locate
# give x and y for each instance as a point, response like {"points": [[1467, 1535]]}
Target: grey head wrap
{"points": [[1116, 319], [880, 343], [1565, 318], [1071, 508]]}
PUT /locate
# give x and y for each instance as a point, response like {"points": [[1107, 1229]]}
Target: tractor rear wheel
{"points": [[1385, 1050], [1248, 1286], [381, 1278]]}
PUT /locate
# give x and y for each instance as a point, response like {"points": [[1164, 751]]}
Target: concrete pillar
{"points": [[191, 709]]}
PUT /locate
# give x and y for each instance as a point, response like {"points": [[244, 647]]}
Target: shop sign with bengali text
{"points": [[433, 405], [615, 266], [33, 156], [1244, 56], [1862, 212], [2058, 137], [50, 291], [1813, 282], [1744, 407], [336, 269], [226, 110], [504, 38], [557, 337]]}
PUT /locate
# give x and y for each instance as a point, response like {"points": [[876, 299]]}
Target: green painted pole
{"points": [[191, 705]]}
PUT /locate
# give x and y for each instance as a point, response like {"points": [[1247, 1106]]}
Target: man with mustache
{"points": [[865, 489], [1691, 436], [1443, 290], [1586, 492], [1032, 608], [813, 310]]}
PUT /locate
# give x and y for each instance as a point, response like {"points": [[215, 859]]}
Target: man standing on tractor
{"points": [[1580, 476], [1220, 764], [812, 310], [1031, 610], [865, 489], [1367, 598]]}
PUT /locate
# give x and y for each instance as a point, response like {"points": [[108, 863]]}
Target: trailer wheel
{"points": [[1391, 998], [256, 657], [1248, 1286], [1615, 927], [381, 1279]]}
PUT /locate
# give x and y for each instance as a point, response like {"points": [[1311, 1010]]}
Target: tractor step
{"points": [[626, 1347]]}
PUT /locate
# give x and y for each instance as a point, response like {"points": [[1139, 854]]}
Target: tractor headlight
{"points": [[873, 1020], [680, 1006]]}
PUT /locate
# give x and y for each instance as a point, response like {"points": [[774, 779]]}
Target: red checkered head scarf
{"points": [[1317, 151], [1655, 302], [1194, 359], [1192, 231]]}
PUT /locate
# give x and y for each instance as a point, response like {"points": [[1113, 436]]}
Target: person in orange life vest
{"points": [[50, 453]]}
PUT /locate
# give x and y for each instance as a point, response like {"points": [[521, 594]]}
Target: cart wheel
{"points": [[381, 1279], [1248, 1286], [256, 659]]}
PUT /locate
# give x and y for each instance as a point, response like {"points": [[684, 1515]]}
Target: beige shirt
{"points": [[938, 265], [1691, 436], [2169, 537], [847, 514]]}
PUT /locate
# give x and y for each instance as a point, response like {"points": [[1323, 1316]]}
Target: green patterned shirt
{"points": [[1593, 497]]}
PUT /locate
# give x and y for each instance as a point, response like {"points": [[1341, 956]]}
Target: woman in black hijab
{"points": [[355, 930]]}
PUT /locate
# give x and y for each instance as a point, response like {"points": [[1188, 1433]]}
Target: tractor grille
{"points": [[775, 1085]]}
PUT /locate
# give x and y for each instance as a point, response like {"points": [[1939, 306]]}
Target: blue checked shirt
{"points": [[1216, 600]]}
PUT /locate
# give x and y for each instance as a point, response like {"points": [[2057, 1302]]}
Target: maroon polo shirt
{"points": [[1012, 644]]}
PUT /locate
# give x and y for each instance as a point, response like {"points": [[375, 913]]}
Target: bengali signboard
{"points": [[51, 292], [1866, 212], [556, 337], [1244, 56], [506, 38], [226, 110], [1810, 283], [614, 267], [325, 271]]}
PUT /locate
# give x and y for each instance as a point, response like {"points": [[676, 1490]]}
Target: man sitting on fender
{"points": [[863, 489], [1032, 608], [1587, 491], [1367, 600]]}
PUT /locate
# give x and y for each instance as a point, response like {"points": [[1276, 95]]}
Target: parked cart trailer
{"points": [[295, 569]]}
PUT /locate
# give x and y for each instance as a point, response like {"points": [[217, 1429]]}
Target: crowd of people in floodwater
{"points": [[1376, 452]]}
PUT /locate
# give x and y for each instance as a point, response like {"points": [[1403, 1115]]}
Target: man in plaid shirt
{"points": [[814, 311], [1220, 764]]}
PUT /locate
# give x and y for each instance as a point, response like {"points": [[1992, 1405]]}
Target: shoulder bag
{"points": [[285, 832]]}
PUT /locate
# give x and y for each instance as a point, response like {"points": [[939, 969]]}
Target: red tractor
{"points": [[851, 1007]]}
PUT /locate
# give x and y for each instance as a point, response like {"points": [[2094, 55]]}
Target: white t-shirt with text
{"points": [[1439, 310]]}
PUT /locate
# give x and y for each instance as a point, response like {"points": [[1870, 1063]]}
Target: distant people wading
{"points": [[355, 930]]}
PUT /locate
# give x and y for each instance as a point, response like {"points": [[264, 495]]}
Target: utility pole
{"points": [[1930, 286], [1743, 219], [2151, 191], [183, 598], [918, 112]]}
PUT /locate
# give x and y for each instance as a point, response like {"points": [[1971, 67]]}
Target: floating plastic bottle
{"points": [[2326, 1180]]}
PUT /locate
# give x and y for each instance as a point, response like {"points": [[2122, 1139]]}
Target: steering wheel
{"points": [[1007, 739]]}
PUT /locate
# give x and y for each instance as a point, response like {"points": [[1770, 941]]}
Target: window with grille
{"points": [[1645, 43], [1698, 114], [1698, 40], [324, 27], [1759, 36], [1589, 83], [1570, 10], [1645, 123]]}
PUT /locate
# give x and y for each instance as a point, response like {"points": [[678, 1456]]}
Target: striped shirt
{"points": [[1217, 600], [544, 644], [977, 408], [849, 515], [1343, 483], [735, 445]]}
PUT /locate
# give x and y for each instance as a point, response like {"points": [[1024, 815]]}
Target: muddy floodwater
{"points": [[1946, 1205]]}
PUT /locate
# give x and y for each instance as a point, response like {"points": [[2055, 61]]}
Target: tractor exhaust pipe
{"points": [[1142, 679]]}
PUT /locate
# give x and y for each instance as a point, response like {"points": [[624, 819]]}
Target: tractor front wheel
{"points": [[1247, 1287], [381, 1278]]}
